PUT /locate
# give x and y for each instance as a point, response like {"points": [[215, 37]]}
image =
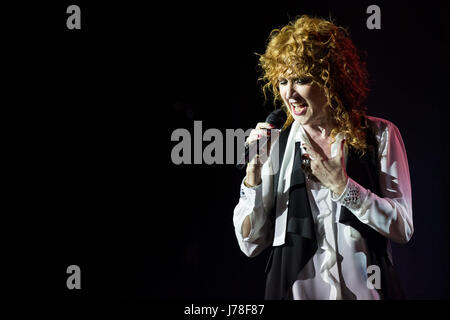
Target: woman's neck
{"points": [[320, 130]]}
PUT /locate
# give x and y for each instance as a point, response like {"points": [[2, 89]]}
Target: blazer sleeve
{"points": [[256, 203], [389, 213]]}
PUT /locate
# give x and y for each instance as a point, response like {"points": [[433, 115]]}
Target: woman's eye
{"points": [[301, 80], [296, 81]]}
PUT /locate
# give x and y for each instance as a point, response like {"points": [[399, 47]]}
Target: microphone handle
{"points": [[245, 157]]}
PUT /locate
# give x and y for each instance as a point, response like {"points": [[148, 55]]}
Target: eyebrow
{"points": [[293, 77]]}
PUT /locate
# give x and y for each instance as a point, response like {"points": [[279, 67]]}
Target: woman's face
{"points": [[305, 100]]}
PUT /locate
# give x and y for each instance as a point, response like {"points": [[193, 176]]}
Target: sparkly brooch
{"points": [[352, 199]]}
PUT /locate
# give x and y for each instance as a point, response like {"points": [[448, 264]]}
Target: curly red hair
{"points": [[322, 51]]}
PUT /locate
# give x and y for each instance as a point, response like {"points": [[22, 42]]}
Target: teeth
{"points": [[298, 107], [298, 104]]}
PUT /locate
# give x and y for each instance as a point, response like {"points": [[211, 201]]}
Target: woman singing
{"points": [[335, 188]]}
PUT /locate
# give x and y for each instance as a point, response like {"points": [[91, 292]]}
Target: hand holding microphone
{"points": [[258, 145], [260, 136], [274, 120], [257, 149]]}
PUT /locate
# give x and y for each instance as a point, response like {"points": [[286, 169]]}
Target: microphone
{"points": [[276, 118]]}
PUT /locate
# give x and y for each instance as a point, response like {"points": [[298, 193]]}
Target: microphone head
{"points": [[277, 118]]}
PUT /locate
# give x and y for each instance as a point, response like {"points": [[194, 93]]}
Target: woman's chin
{"points": [[301, 119]]}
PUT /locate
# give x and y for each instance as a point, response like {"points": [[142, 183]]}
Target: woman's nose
{"points": [[290, 92]]}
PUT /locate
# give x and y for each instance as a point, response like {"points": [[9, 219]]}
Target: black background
{"points": [[88, 124]]}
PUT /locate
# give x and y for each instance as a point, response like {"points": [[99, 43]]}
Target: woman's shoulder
{"points": [[383, 130], [379, 123], [380, 126]]}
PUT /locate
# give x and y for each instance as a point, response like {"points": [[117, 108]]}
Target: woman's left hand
{"points": [[330, 173]]}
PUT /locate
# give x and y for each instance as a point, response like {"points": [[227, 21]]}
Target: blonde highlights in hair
{"points": [[323, 52]]}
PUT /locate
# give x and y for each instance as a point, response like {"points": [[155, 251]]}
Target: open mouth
{"points": [[298, 108]]}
